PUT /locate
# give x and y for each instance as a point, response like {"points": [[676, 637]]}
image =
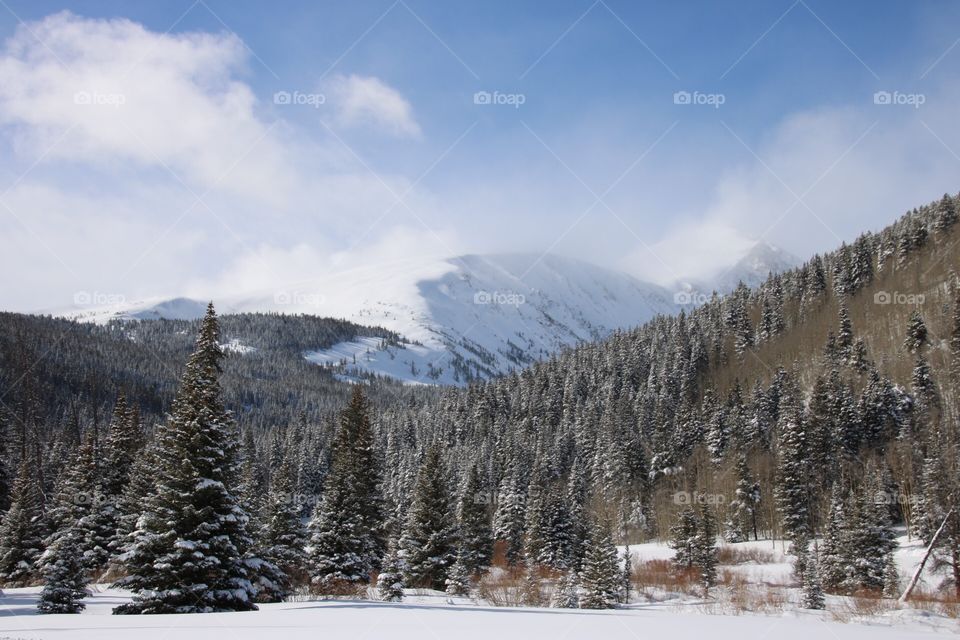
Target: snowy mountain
{"points": [[752, 269], [461, 318]]}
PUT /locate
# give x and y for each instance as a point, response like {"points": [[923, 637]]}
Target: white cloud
{"points": [[856, 168], [367, 101], [111, 92]]}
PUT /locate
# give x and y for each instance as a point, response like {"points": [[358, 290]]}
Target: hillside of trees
{"points": [[820, 407]]}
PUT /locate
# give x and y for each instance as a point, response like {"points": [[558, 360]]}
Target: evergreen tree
{"points": [[916, 337], [510, 518], [600, 576], [705, 548], [565, 596], [812, 589], [64, 577], [428, 534], [473, 520], [458, 578], [390, 580], [22, 530], [626, 582], [793, 486], [891, 578], [188, 552], [683, 539], [283, 538], [744, 506], [346, 531], [833, 562]]}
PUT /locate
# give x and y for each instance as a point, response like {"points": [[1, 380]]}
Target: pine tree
{"points": [[5, 483], [916, 337], [891, 578], [793, 485], [22, 530], [565, 596], [510, 518], [346, 531], [283, 538], [705, 548], [812, 589], [683, 539], [744, 506], [833, 563], [188, 553], [458, 578], [626, 581], [600, 575], [428, 534], [65, 581], [473, 520], [390, 580]]}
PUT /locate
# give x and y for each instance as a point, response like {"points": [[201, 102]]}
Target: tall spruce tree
{"points": [[64, 576], [427, 543], [283, 538], [600, 576], [473, 521], [188, 553], [346, 531], [22, 530]]}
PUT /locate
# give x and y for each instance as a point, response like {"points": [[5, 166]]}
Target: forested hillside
{"points": [[820, 406]]}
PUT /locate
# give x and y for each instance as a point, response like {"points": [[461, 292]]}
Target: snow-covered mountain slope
{"points": [[752, 269], [461, 318]]}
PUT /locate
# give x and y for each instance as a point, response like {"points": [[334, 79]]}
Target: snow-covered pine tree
{"points": [[916, 335], [891, 578], [473, 521], [5, 480], [346, 531], [188, 552], [458, 577], [833, 562], [955, 340], [283, 538], [705, 547], [626, 576], [22, 529], [565, 594], [813, 597], [600, 575], [390, 580], [683, 539], [428, 534], [792, 492], [64, 575], [744, 506], [509, 520]]}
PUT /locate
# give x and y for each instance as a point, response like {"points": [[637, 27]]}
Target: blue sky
{"points": [[598, 161]]}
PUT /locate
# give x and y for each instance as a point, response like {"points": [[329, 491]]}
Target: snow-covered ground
{"points": [[654, 613], [431, 616]]}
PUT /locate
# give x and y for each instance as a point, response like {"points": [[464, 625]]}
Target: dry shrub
{"points": [[731, 555], [503, 587], [941, 602], [863, 604], [662, 574]]}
